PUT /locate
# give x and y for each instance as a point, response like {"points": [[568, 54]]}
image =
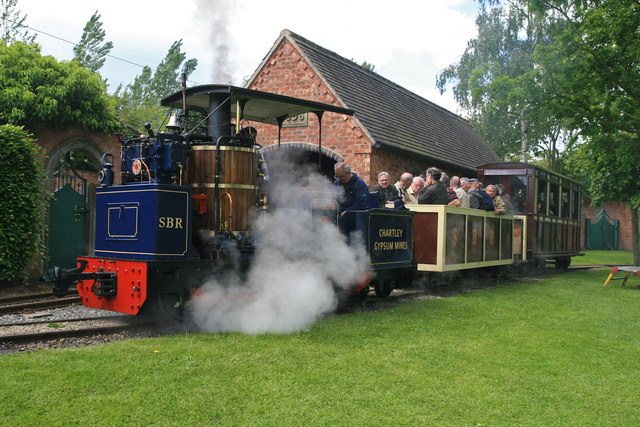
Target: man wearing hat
{"points": [[478, 199], [474, 197]]}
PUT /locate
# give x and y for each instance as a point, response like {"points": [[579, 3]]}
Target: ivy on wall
{"points": [[21, 201]]}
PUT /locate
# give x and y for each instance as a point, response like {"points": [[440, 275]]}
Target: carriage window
{"points": [[518, 193], [491, 180], [575, 212], [553, 200], [541, 197], [564, 212]]}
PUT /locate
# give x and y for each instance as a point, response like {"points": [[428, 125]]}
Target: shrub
{"points": [[21, 201]]}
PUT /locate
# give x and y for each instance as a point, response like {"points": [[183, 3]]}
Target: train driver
{"points": [[355, 189]]}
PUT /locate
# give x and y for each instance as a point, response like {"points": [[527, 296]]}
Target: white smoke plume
{"points": [[300, 266], [216, 14]]}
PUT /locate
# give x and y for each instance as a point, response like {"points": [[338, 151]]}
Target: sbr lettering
{"points": [[169, 222]]}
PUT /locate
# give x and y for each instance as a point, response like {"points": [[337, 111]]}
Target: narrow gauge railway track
{"points": [[13, 299], [75, 319], [75, 332], [23, 303]]}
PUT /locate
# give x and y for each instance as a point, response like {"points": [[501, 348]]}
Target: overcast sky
{"points": [[408, 41]]}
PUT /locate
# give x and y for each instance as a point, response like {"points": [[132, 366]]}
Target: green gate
{"points": [[601, 232], [67, 218]]}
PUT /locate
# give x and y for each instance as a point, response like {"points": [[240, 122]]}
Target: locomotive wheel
{"points": [[383, 288], [164, 307]]}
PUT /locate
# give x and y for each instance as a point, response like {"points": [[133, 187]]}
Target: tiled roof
{"points": [[393, 116]]}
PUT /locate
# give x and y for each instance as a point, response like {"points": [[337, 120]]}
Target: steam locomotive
{"points": [[188, 198]]}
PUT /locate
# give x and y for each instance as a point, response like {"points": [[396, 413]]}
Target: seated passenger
{"points": [[506, 198], [474, 197], [355, 189], [453, 197], [386, 191], [460, 192], [403, 185], [478, 198], [414, 190], [499, 206], [434, 192]]}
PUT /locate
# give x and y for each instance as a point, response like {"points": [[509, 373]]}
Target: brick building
{"points": [[393, 129]]}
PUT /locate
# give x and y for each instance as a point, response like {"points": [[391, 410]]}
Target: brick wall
{"points": [[57, 142], [615, 210]]}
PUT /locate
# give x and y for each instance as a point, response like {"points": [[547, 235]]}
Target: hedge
{"points": [[21, 201]]}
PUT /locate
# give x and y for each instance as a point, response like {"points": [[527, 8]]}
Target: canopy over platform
{"points": [[263, 107]]}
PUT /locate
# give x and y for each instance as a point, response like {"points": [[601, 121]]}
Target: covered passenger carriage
{"points": [[550, 203]]}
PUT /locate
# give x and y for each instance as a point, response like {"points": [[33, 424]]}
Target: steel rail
{"points": [[30, 297], [50, 303], [69, 333]]}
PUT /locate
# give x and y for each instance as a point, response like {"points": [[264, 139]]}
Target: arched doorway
{"points": [[304, 157], [72, 170]]}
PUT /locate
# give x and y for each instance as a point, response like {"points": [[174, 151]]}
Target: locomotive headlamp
{"points": [[105, 176]]}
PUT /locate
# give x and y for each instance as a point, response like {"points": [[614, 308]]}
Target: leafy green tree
{"points": [[496, 83], [37, 89], [139, 102], [21, 201], [12, 26], [592, 77], [92, 50], [366, 65]]}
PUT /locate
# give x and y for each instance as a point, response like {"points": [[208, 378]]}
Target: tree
{"points": [[12, 26], [38, 89], [21, 201], [366, 65], [496, 82], [92, 50], [592, 77], [140, 101]]}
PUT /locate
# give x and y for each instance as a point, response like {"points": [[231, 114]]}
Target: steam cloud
{"points": [[216, 14], [299, 264]]}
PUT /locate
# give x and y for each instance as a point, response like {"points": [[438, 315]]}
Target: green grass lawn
{"points": [[604, 258], [562, 350]]}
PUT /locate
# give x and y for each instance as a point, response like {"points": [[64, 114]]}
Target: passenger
{"points": [[403, 185], [464, 184], [474, 197], [386, 191], [453, 197], [462, 195], [500, 207], [434, 192], [355, 190], [416, 186], [486, 202], [506, 198]]}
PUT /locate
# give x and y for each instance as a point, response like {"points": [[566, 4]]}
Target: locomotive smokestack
{"points": [[220, 116]]}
